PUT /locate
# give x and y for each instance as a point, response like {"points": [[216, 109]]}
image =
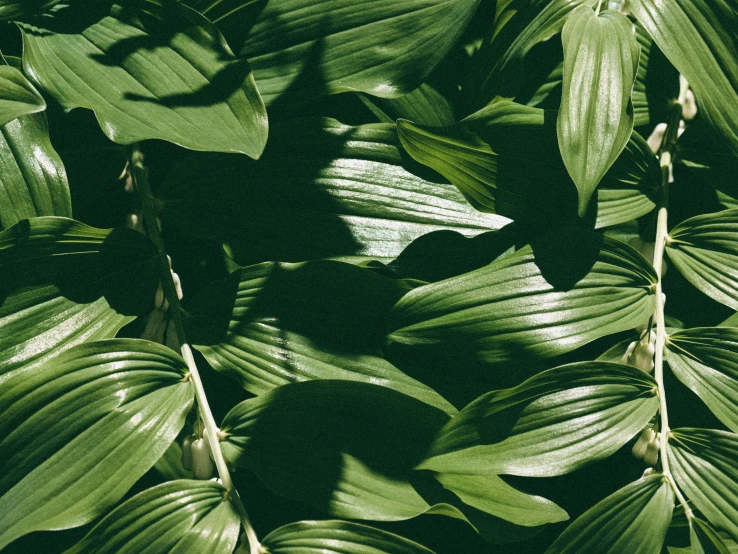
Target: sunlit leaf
{"points": [[79, 430], [273, 324], [339, 537], [705, 250], [181, 83], [349, 186], [18, 97], [553, 423], [424, 105], [704, 464], [505, 160], [550, 297], [177, 516], [705, 359], [634, 520], [595, 119], [303, 49]]}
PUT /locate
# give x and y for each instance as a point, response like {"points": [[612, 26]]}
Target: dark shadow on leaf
{"points": [[565, 255]]}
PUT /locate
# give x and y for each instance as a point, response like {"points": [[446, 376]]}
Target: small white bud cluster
{"points": [[647, 447], [640, 353], [197, 455]]}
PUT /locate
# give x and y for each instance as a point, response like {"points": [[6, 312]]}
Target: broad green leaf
{"points": [[18, 97], [350, 187], [63, 283], [177, 516], [425, 105], [705, 360], [273, 324], [558, 293], [490, 494], [316, 442], [595, 119], [304, 49], [18, 9], [519, 26], [705, 539], [79, 430], [553, 423], [505, 160], [703, 462], [180, 84], [33, 181], [699, 39], [705, 250], [634, 520], [339, 537]]}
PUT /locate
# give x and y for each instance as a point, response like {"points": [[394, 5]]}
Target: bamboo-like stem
{"points": [[141, 182]]}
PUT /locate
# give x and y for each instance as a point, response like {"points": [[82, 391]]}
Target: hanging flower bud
{"points": [[187, 452], [641, 445], [171, 339], [652, 452], [159, 298], [155, 320], [654, 140], [202, 465], [689, 107], [177, 285]]}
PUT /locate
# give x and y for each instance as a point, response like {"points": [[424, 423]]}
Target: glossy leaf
{"points": [[698, 37], [177, 516], [339, 537], [705, 360], [315, 442], [505, 160], [303, 49], [350, 186], [705, 250], [634, 519], [703, 462], [549, 297], [705, 539], [273, 324], [595, 119], [81, 429], [18, 97], [33, 181], [63, 283], [181, 84], [424, 105], [553, 423]]}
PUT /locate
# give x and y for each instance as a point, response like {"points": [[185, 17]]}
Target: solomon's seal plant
{"points": [[377, 277]]}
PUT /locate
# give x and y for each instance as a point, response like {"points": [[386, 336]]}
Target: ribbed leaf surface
{"points": [[18, 97]]}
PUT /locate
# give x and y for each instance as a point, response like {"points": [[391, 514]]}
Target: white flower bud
{"points": [[159, 297], [639, 448], [202, 465], [187, 452], [641, 356], [177, 285], [154, 321], [689, 107], [654, 140], [652, 452]]}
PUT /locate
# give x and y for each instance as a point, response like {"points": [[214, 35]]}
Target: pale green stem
{"points": [[141, 181], [662, 240], [599, 7]]}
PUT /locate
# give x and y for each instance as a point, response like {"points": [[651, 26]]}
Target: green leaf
{"points": [[705, 250], [350, 186], [33, 181], [705, 539], [560, 292], [18, 9], [273, 324], [705, 360], [424, 105], [181, 83], [178, 516], [63, 283], [325, 537], [553, 423], [698, 37], [18, 97], [595, 119], [490, 494], [634, 520], [505, 160], [304, 49], [315, 442], [78, 431], [703, 462]]}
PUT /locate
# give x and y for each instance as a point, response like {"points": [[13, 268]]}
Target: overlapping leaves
{"points": [[79, 430], [18, 97], [177, 516], [173, 80], [553, 423], [505, 159], [550, 297]]}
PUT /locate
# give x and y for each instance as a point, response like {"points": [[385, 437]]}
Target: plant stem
{"points": [[141, 181], [599, 6], [662, 239]]}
